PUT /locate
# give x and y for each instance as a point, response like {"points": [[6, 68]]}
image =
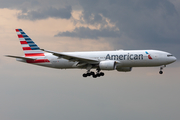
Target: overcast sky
{"points": [[31, 92]]}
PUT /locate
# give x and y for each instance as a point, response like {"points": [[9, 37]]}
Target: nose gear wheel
{"points": [[161, 68]]}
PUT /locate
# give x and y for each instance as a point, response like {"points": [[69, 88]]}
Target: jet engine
{"points": [[124, 69], [107, 65]]}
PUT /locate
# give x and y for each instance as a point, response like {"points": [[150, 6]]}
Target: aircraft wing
{"points": [[72, 57], [25, 58]]}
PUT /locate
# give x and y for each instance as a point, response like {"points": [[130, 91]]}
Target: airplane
{"points": [[120, 60]]}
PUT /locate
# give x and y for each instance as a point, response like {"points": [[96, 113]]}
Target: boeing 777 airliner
{"points": [[120, 60]]}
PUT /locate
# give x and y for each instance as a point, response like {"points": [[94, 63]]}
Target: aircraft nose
{"points": [[171, 58], [174, 59]]}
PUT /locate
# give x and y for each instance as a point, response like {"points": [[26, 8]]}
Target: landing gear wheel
{"points": [[94, 76], [88, 74], [98, 75], [160, 72], [101, 74], [84, 75], [161, 68], [92, 73]]}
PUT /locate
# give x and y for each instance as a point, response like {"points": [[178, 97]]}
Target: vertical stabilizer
{"points": [[29, 47]]}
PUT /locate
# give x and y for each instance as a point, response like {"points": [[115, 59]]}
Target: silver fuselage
{"points": [[125, 58]]}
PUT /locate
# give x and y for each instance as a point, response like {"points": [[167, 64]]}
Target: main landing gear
{"points": [[94, 75], [161, 68]]}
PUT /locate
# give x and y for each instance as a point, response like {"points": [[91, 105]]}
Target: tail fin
{"points": [[29, 47]]}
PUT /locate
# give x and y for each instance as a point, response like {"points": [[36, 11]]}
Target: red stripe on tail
{"points": [[23, 42], [17, 30], [27, 48], [20, 36]]}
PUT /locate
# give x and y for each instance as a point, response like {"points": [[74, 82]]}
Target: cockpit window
{"points": [[169, 55]]}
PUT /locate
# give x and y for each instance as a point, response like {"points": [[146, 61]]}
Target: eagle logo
{"points": [[149, 56]]}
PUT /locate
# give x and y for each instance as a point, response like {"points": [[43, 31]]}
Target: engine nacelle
{"points": [[107, 65], [124, 69]]}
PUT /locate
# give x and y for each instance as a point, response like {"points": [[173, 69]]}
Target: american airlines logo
{"points": [[149, 56], [128, 56], [125, 57]]}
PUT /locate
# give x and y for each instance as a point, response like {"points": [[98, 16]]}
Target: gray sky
{"points": [[36, 93]]}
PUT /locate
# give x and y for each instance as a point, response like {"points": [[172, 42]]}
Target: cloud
{"points": [[19, 4], [143, 24], [156, 21], [33, 92], [138, 19], [64, 13], [40, 9], [87, 33]]}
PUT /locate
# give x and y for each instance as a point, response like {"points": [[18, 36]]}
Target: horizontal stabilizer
{"points": [[25, 58]]}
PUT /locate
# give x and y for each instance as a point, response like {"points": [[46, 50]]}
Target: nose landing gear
{"points": [[161, 68]]}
